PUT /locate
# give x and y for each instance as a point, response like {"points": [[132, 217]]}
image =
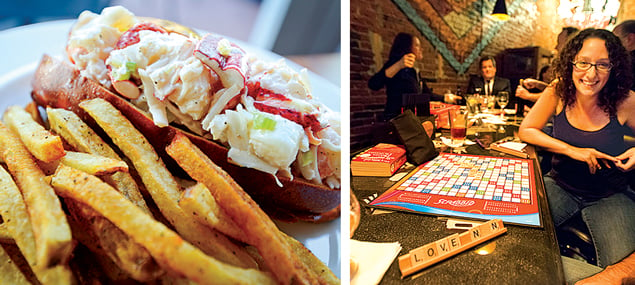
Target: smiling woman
{"points": [[592, 106]]}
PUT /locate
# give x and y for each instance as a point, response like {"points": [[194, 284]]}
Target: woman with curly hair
{"points": [[593, 109]]}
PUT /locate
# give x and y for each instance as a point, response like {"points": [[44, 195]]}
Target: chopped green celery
{"points": [[306, 158], [121, 76], [262, 122], [130, 68]]}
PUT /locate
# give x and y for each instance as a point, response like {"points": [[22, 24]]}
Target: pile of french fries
{"points": [[82, 209]]}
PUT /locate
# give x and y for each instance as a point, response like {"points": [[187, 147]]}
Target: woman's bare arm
{"points": [[532, 125], [622, 272]]}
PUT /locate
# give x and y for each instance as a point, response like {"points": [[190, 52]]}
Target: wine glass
{"points": [[502, 98]]}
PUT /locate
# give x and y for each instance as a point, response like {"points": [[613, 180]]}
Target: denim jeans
{"points": [[576, 270], [611, 220]]}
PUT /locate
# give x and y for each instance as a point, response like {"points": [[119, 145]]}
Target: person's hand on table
{"points": [[592, 157], [629, 157], [451, 98]]}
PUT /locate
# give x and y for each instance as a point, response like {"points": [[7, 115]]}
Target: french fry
{"points": [[161, 185], [167, 247], [50, 228], [48, 168], [93, 164], [244, 212], [44, 145], [324, 273], [18, 223], [173, 280], [201, 205], [93, 268], [79, 135], [32, 109], [106, 240], [9, 272], [5, 237]]}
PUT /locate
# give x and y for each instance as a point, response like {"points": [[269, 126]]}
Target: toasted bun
{"points": [[58, 84]]}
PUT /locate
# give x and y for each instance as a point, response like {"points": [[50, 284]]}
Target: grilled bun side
{"points": [[58, 84]]}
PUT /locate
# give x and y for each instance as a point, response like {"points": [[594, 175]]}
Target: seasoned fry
{"points": [[243, 210], [50, 228], [201, 205], [93, 164], [9, 272], [13, 211], [32, 109], [105, 239], [48, 168], [161, 184], [44, 145], [79, 135], [18, 222], [324, 273], [168, 248], [5, 237]]}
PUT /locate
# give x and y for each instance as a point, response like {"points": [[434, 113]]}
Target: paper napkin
{"points": [[373, 259]]}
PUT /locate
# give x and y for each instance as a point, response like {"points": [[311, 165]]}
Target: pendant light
{"points": [[500, 11]]}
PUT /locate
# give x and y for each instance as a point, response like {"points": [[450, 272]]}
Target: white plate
{"points": [[21, 49]]}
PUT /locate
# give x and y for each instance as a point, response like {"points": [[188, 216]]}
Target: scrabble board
{"points": [[471, 186]]}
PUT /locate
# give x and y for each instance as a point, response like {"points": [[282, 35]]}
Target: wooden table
{"points": [[523, 255]]}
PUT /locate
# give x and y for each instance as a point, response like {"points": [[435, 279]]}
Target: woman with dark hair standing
{"points": [[399, 74], [593, 109]]}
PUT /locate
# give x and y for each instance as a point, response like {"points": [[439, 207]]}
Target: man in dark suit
{"points": [[488, 82]]}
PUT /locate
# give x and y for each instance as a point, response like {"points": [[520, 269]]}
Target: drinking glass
{"points": [[471, 102], [458, 126], [503, 99], [485, 103], [491, 103], [479, 99]]}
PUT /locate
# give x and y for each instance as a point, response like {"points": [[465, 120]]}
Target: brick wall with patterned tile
{"points": [[453, 33]]}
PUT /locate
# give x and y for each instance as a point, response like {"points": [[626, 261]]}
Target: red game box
{"points": [[381, 160], [440, 111]]}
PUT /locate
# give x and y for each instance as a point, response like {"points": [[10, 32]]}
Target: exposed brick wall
{"points": [[374, 23], [627, 11], [547, 23]]}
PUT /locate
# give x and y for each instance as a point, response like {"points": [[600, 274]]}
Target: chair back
{"points": [[418, 103]]}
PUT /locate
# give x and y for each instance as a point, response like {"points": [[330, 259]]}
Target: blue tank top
{"points": [[574, 175]]}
